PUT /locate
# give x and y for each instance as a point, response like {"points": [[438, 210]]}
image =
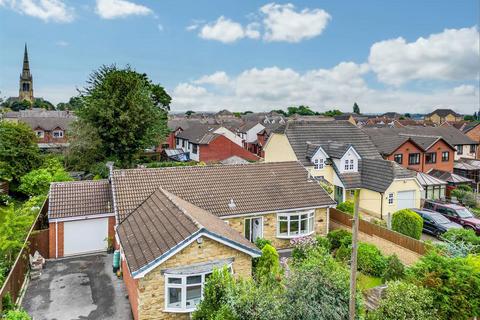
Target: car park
{"points": [[435, 223], [455, 213]]}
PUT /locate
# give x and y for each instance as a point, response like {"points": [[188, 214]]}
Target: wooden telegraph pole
{"points": [[353, 262]]}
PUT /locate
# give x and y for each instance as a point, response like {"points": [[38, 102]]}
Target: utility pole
{"points": [[353, 262]]}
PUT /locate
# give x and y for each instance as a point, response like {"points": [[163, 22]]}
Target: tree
{"points": [[19, 152], [12, 232], [404, 301], [43, 104], [189, 112], [408, 115], [301, 110], [127, 110], [85, 150], [279, 111], [356, 108], [268, 268], [73, 104], [333, 113], [37, 182]]}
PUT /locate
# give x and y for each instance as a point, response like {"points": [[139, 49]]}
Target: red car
{"points": [[455, 213]]}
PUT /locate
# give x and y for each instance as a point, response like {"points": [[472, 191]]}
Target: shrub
{"points": [[379, 222], [346, 207], [343, 254], [261, 242], [37, 182], [453, 282], [469, 200], [394, 269], [301, 247], [268, 268], [407, 222], [404, 301], [5, 199], [7, 303], [460, 242], [323, 242], [465, 187], [461, 235], [17, 315], [370, 260], [339, 237]]}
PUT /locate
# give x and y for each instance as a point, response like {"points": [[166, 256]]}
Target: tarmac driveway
{"points": [[78, 288]]}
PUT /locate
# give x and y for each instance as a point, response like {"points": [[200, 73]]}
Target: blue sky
{"points": [[257, 55]]}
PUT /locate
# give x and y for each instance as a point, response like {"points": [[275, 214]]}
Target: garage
{"points": [[406, 199], [85, 236]]}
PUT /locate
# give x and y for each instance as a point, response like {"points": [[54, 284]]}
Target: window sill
{"points": [[179, 310], [295, 236]]}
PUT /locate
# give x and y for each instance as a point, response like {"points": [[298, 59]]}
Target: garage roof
{"points": [[79, 198]]}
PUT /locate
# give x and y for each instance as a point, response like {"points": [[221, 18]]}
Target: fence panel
{"points": [[36, 240], [381, 232]]}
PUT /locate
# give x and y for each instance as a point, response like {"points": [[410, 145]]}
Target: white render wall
{"points": [[229, 135]]}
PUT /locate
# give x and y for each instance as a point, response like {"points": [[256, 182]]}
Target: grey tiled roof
{"points": [[257, 187], [443, 113], [199, 133], [79, 198], [448, 176], [162, 222], [327, 132]]}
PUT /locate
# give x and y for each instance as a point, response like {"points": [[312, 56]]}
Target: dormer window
{"points": [[351, 164], [40, 134], [58, 134], [318, 164]]}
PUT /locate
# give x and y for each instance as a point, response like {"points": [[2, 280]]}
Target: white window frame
{"points": [[287, 216], [40, 134], [318, 164], [391, 198], [183, 289], [59, 132], [351, 168]]}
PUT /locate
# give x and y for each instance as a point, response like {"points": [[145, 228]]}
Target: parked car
{"points": [[455, 213], [435, 223]]}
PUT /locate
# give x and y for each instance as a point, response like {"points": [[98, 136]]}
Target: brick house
{"points": [[414, 152], [173, 226]]}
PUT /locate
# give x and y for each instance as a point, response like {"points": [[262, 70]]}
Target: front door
{"points": [[253, 228], [338, 194]]}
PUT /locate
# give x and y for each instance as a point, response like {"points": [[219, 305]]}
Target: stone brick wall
{"points": [[270, 227], [151, 288], [52, 234]]}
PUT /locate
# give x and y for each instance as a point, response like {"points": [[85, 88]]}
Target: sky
{"points": [[404, 56]]}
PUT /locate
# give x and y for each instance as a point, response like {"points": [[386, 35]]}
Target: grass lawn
{"points": [[366, 282]]}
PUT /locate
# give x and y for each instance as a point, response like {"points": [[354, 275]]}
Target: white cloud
{"points": [[464, 90], [46, 10], [160, 27], [226, 31], [192, 27], [283, 23], [217, 78], [62, 43], [322, 89], [112, 9], [450, 55]]}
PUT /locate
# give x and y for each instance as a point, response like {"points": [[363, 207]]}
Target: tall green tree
{"points": [[19, 151], [127, 110], [356, 108], [73, 104]]}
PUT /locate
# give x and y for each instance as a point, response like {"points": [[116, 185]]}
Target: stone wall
{"points": [[151, 288], [270, 227]]}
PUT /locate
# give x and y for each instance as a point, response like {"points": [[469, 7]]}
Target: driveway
{"points": [[78, 288]]}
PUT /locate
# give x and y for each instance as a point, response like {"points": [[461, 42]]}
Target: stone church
{"points": [[26, 80]]}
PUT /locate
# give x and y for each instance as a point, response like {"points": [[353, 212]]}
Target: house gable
{"points": [[349, 161]]}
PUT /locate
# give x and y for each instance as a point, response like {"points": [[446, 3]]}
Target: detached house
{"points": [[342, 156], [173, 226], [439, 116]]}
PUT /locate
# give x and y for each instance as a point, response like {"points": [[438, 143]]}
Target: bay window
{"points": [[291, 225]]}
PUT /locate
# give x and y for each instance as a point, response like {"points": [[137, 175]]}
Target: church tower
{"points": [[26, 80]]}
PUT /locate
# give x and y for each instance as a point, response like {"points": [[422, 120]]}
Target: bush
{"points": [[261, 242], [37, 182], [339, 237], [343, 254], [370, 260], [407, 222], [465, 187], [346, 207], [460, 242], [301, 247], [394, 270], [379, 222], [404, 301], [268, 268], [323, 242], [469, 200], [453, 282], [461, 235], [5, 199], [17, 315]]}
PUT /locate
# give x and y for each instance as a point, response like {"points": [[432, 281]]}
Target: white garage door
{"points": [[406, 199], [84, 236]]}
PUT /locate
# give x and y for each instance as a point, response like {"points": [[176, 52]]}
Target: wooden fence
{"points": [[381, 232], [3, 187], [37, 239]]}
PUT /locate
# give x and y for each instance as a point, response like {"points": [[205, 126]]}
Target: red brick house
{"points": [[416, 152]]}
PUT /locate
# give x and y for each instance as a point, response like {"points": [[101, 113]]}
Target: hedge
{"points": [[407, 222]]}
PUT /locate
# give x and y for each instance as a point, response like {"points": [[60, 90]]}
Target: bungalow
{"points": [[343, 156], [173, 226]]}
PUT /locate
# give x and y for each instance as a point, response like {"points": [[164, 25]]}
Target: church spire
{"points": [[26, 80], [26, 64]]}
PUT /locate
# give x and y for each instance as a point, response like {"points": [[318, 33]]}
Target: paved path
{"points": [[78, 288]]}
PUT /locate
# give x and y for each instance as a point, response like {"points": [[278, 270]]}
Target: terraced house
{"points": [[343, 158], [173, 226]]}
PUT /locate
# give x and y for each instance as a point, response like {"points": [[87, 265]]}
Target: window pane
{"points": [[174, 298], [247, 228], [175, 280], [194, 293], [294, 227], [194, 279], [283, 228], [283, 218], [304, 216]]}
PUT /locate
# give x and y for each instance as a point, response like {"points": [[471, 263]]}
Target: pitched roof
{"points": [[199, 133], [469, 126], [443, 113], [257, 187], [448, 176], [451, 135], [326, 132], [79, 198], [428, 180], [162, 223]]}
